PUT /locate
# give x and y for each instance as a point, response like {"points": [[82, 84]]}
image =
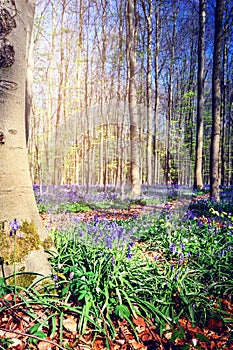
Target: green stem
{"points": [[15, 267]]}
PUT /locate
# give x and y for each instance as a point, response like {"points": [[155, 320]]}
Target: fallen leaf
{"points": [[43, 345], [139, 321], [70, 324], [136, 345], [16, 342]]}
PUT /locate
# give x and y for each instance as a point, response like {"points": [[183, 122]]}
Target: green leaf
{"points": [[40, 334], [177, 334], [54, 326], [34, 328], [202, 337], [186, 347], [122, 311], [64, 291]]}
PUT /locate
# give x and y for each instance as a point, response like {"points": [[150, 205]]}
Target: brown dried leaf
{"points": [[16, 342], [136, 345], [70, 324], [43, 345]]}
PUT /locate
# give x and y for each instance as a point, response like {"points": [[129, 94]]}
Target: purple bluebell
{"points": [[223, 252], [14, 225], [55, 278], [182, 246], [173, 248], [71, 275]]}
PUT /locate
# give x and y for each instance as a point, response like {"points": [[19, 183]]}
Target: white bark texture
{"points": [[16, 193]]}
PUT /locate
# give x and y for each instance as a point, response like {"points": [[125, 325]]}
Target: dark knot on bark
{"points": [[7, 54]]}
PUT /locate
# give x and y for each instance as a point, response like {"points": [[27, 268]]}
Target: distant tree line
{"points": [[136, 91]]}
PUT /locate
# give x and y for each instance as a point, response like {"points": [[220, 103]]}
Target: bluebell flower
{"points": [[173, 248], [55, 278], [71, 275], [129, 255], [182, 246], [14, 225], [223, 252], [177, 274]]}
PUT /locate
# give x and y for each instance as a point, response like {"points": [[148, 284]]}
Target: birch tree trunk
{"points": [[16, 194]]}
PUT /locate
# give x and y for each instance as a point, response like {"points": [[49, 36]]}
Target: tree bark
{"points": [[16, 194], [133, 115], [216, 103], [198, 181]]}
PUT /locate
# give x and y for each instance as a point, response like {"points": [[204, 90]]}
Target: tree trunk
{"points": [[16, 195], [148, 17], [133, 115], [216, 103], [198, 181], [170, 97], [156, 104]]}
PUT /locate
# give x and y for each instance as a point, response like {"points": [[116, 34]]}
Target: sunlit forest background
{"points": [[84, 71]]}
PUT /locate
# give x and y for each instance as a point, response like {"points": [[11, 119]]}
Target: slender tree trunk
{"points": [[134, 127], [148, 17], [58, 161], [156, 106], [216, 103], [198, 181], [170, 98]]}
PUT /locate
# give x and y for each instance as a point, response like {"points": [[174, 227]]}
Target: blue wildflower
{"points": [[182, 246], [71, 275], [173, 248], [129, 254], [14, 225], [223, 252]]}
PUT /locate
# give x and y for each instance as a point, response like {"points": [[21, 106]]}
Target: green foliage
{"points": [[5, 343], [162, 277], [73, 207], [157, 266]]}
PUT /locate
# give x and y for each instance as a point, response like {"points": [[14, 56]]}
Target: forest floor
{"points": [[15, 320]]}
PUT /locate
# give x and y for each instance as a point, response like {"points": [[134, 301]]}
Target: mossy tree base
{"points": [[23, 251]]}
